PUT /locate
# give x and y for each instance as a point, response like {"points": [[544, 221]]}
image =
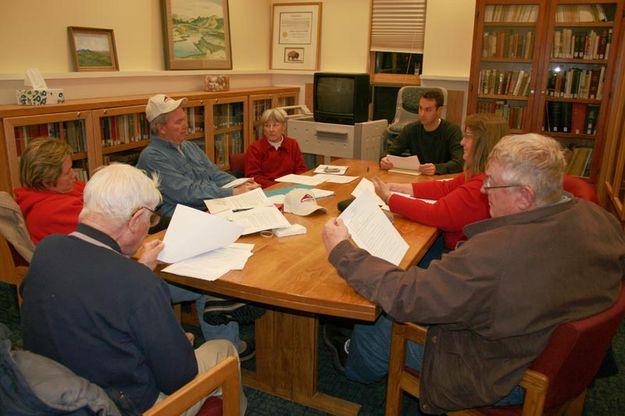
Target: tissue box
{"points": [[40, 96]]}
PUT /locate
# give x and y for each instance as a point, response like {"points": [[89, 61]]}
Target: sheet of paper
{"points": [[305, 180], [331, 169], [214, 264], [408, 162], [253, 198], [372, 231], [257, 219], [235, 183], [192, 232], [365, 185], [336, 178]]}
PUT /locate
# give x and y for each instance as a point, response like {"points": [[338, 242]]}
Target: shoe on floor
{"points": [[247, 350], [338, 344], [220, 312]]}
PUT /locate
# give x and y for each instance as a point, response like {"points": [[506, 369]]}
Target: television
{"points": [[341, 98]]}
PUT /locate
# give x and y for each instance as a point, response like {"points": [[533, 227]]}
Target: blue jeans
{"points": [[230, 331], [369, 351]]}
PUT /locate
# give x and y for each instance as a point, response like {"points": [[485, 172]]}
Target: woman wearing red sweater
{"points": [[50, 198], [459, 201], [274, 155]]}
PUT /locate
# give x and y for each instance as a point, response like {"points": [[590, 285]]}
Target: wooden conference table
{"points": [[292, 277]]}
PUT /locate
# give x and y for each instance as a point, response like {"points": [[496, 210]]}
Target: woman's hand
{"points": [[382, 189]]}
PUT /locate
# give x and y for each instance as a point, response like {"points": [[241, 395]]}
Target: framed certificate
{"points": [[295, 36]]}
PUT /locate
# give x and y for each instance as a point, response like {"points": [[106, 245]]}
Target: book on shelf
{"points": [[590, 123], [565, 119], [553, 116], [578, 118]]}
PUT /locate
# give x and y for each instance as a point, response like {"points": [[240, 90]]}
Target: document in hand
{"points": [[235, 183], [331, 169], [192, 232], [214, 264], [408, 165], [247, 200], [366, 186], [372, 231]]}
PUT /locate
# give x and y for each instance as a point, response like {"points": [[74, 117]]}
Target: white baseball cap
{"points": [[301, 202], [161, 104]]}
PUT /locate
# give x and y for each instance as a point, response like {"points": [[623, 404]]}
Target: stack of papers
{"points": [[256, 219], [247, 200], [214, 264]]}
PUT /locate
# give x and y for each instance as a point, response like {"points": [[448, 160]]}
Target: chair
{"points": [[580, 188], [237, 164], [16, 247], [555, 382]]}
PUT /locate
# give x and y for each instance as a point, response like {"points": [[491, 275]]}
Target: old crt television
{"points": [[341, 98]]}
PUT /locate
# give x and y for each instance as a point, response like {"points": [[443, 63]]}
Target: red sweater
{"points": [[264, 163], [47, 212], [457, 204]]}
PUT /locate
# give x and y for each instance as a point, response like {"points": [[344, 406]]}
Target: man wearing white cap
{"points": [[187, 176]]}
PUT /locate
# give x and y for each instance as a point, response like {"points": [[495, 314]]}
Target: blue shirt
{"points": [[186, 178]]}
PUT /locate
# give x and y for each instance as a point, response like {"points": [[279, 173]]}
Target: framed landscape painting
{"points": [[196, 34], [93, 49]]}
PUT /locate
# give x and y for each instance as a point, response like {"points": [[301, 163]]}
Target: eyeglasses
{"points": [[155, 217], [486, 186]]}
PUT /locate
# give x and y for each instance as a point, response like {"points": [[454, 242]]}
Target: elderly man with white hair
{"points": [[107, 317]]}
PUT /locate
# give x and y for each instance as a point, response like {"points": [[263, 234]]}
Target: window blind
{"points": [[398, 25]]}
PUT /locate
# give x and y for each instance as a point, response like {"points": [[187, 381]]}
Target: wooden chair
{"points": [[237, 164], [224, 374], [555, 382]]}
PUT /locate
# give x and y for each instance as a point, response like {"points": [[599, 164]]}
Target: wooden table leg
{"points": [[286, 362]]}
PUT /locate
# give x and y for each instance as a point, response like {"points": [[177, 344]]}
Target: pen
{"points": [[327, 170], [241, 209]]}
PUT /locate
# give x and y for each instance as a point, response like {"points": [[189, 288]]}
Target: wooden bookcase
{"points": [[103, 130], [261, 102], [548, 66]]}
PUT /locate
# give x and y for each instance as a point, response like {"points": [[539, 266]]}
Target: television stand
{"points": [[358, 141]]}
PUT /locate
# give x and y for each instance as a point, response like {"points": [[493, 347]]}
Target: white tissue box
{"points": [[40, 96]]}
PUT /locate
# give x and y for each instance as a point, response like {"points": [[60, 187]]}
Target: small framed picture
{"points": [[293, 55], [93, 49]]}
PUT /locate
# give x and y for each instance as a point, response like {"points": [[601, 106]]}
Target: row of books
{"points": [[567, 117], [195, 119], [227, 144], [81, 174], [513, 113], [124, 129], [497, 82], [580, 161], [577, 44], [576, 83], [228, 115], [581, 13], [511, 13], [73, 132], [508, 45]]}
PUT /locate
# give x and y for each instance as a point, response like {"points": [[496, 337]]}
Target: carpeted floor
{"points": [[606, 397]]}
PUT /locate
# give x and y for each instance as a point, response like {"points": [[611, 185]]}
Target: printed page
{"points": [[408, 162], [192, 232], [366, 186], [305, 180], [331, 169], [214, 264], [257, 219], [372, 231], [251, 199]]}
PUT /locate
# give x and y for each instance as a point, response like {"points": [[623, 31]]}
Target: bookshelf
{"points": [[547, 66], [114, 129]]}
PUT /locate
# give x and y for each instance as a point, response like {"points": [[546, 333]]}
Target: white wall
{"points": [[33, 33]]}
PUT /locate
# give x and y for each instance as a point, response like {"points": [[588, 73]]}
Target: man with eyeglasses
{"points": [[106, 317], [544, 258], [435, 141]]}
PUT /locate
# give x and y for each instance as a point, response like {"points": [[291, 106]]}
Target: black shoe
{"points": [[221, 311], [247, 350], [338, 344]]}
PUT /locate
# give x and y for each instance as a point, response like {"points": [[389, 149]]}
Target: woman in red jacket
{"points": [[274, 155], [50, 197], [459, 201]]}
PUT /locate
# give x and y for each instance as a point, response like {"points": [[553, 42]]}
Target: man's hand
{"points": [[382, 189], [245, 187], [385, 163], [428, 169], [334, 232], [150, 252]]}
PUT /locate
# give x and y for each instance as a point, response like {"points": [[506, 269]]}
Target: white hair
{"points": [[115, 192]]}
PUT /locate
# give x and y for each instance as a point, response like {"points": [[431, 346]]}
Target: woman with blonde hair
{"points": [[50, 197]]}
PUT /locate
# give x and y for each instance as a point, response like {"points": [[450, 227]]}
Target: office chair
{"points": [[407, 109], [16, 247], [555, 382]]}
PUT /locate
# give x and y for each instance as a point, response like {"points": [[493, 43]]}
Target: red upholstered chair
{"points": [[555, 382], [580, 188], [237, 164]]}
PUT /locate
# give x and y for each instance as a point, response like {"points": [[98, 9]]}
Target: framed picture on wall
{"points": [[196, 34], [93, 49], [295, 36]]}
